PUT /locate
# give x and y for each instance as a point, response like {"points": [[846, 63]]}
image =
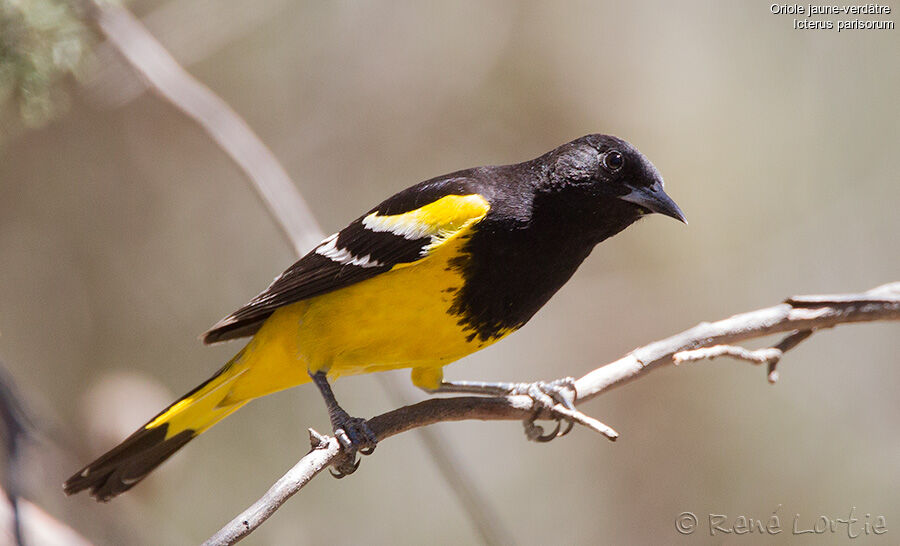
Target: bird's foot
{"points": [[355, 436], [546, 395], [550, 399]]}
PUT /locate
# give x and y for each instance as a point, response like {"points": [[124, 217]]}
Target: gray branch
{"points": [[801, 314]]}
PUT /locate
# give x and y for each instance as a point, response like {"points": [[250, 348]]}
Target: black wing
{"points": [[358, 252]]}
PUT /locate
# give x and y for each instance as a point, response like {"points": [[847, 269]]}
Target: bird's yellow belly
{"points": [[398, 319]]}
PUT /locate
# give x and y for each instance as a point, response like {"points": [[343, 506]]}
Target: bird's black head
{"points": [[609, 179]]}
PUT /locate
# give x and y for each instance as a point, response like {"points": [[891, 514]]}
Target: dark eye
{"points": [[613, 160]]}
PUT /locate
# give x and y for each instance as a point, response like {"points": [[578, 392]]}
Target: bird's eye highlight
{"points": [[613, 160]]}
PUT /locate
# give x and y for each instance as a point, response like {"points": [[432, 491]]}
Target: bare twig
{"points": [[324, 450], [759, 356], [192, 30], [769, 356], [880, 304], [223, 125], [784, 346], [781, 318]]}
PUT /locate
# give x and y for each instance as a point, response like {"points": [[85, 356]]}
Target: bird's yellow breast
{"points": [[399, 319]]}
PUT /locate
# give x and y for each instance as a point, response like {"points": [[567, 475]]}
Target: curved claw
{"points": [[342, 469], [569, 426], [355, 437], [545, 396], [549, 436]]}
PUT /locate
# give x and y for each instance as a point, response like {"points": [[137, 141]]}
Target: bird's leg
{"points": [[353, 433], [546, 394]]}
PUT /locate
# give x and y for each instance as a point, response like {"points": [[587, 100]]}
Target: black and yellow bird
{"points": [[432, 274]]}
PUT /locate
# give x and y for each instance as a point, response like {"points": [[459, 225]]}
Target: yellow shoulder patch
{"points": [[439, 218]]}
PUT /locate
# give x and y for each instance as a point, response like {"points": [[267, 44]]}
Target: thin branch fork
{"points": [[800, 315], [770, 356]]}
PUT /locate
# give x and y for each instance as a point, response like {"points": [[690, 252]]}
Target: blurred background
{"points": [[125, 232]]}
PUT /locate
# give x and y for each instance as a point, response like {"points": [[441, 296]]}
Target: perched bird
{"points": [[432, 274]]}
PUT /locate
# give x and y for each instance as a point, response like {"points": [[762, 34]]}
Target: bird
{"points": [[434, 273]]}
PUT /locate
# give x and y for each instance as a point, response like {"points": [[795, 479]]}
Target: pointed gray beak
{"points": [[655, 199]]}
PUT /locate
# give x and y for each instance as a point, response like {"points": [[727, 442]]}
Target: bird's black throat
{"points": [[512, 266]]}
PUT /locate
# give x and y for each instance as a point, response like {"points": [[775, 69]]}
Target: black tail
{"points": [[128, 463]]}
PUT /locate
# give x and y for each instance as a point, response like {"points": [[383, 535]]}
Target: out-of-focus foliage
{"points": [[42, 43]]}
